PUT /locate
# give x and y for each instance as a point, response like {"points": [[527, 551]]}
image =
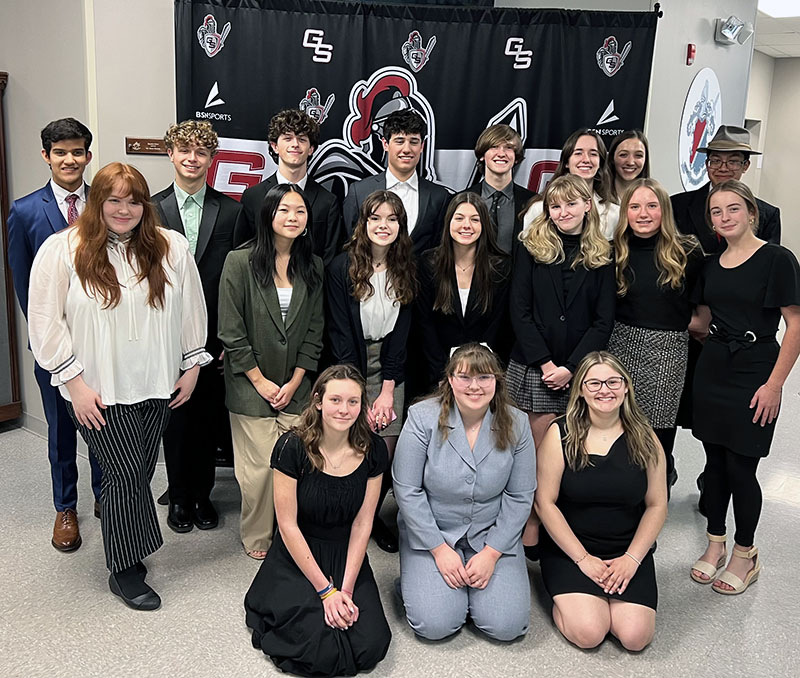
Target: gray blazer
{"points": [[446, 491], [253, 333]]}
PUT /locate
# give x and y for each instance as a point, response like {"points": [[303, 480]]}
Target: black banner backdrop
{"points": [[349, 64]]}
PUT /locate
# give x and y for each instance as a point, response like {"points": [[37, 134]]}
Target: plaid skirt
{"points": [[530, 393]]}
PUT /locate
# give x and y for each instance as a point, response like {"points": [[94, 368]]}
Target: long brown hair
{"points": [[642, 448], [488, 258], [601, 183], [147, 247], [401, 269], [671, 248], [309, 428], [475, 359]]}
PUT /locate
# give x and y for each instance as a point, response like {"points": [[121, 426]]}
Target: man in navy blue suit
{"points": [[65, 148]]}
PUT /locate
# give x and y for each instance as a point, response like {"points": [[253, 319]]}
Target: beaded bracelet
{"points": [[329, 593], [582, 557], [634, 559]]}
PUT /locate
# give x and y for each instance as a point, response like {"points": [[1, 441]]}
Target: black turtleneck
{"points": [[572, 244], [649, 304]]}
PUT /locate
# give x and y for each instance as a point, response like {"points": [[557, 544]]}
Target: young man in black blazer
{"points": [[404, 135], [499, 151], [207, 218], [293, 137]]}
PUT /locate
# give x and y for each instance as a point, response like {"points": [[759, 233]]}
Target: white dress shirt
{"points": [[408, 192], [283, 180], [61, 198], [379, 312], [131, 352]]}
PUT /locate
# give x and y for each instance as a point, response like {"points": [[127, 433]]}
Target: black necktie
{"points": [[497, 196]]}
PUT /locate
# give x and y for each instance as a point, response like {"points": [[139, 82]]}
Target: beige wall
{"points": [[759, 94]]}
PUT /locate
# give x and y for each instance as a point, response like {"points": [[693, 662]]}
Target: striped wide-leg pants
{"points": [[127, 450]]}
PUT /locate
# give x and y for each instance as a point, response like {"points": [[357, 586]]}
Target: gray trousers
{"points": [[435, 611]]}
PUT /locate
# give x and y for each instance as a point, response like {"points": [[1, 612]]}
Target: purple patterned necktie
{"points": [[72, 208]]}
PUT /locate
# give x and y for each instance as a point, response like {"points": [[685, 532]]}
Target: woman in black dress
{"points": [[602, 498], [316, 583], [657, 268], [464, 285], [739, 377]]}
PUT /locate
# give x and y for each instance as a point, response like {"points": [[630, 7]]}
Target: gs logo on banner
{"points": [[414, 54], [312, 106], [609, 58], [522, 57], [211, 41], [313, 38]]}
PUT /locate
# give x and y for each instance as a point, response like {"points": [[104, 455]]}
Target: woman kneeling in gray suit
{"points": [[464, 476]]}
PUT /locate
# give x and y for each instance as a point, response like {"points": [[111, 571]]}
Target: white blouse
{"points": [[608, 212], [284, 299], [463, 293], [131, 352], [379, 312]]}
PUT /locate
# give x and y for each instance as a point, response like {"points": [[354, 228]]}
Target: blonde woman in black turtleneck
{"points": [[657, 268], [562, 306]]}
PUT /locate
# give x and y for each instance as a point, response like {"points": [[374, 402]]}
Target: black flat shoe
{"points": [[163, 500], [179, 518], [531, 552], [149, 600], [205, 515], [383, 536]]}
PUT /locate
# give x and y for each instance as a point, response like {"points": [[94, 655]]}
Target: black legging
{"points": [[726, 474], [666, 436]]}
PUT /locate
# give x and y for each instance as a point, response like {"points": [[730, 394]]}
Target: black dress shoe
{"points": [[205, 515], [163, 500], [149, 600], [179, 518], [383, 536]]}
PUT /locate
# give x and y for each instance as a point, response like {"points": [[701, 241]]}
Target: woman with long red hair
{"points": [[117, 316]]}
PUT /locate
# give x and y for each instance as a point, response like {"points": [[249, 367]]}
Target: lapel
{"points": [[207, 222], [299, 294], [312, 193], [578, 276], [458, 437], [485, 442], [424, 199], [355, 313], [51, 211], [270, 297], [558, 284], [172, 215]]}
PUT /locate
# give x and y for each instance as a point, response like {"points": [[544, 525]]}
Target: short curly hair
{"points": [[190, 132], [294, 121]]}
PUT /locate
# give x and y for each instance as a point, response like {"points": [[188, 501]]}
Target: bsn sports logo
{"points": [[211, 41], [312, 106], [414, 54], [609, 58], [314, 38], [522, 57], [213, 98]]}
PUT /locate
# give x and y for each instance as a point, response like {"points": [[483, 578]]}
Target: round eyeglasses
{"points": [[466, 380], [594, 385]]}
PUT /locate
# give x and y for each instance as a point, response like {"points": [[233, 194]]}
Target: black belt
{"points": [[737, 341]]}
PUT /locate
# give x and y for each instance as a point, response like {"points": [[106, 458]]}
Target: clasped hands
{"points": [[555, 377], [475, 574], [382, 413], [340, 611], [612, 575], [277, 396]]}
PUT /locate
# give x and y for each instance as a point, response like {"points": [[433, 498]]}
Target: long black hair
{"points": [[262, 254]]}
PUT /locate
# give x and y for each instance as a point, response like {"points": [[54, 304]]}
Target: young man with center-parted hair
{"points": [[207, 218], [65, 148], [499, 151], [293, 137]]}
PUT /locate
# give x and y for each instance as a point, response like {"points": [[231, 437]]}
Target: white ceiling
{"points": [[777, 37]]}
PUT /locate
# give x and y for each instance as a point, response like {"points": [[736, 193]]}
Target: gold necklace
{"points": [[464, 269], [378, 264]]}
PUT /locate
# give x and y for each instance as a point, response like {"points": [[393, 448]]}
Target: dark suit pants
{"points": [[62, 443]]}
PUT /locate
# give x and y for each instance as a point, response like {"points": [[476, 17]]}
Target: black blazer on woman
{"points": [[343, 326], [550, 328], [440, 332]]}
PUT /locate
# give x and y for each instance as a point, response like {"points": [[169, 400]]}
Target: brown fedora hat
{"points": [[730, 138]]}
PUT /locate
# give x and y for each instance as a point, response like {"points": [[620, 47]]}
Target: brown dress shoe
{"points": [[66, 535]]}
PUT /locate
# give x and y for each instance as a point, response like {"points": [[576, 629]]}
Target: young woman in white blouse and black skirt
{"points": [[369, 290], [117, 317]]}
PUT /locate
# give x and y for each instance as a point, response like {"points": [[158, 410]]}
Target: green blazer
{"points": [[253, 333]]}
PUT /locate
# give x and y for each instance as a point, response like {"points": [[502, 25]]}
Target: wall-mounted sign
{"points": [[145, 146], [702, 113]]}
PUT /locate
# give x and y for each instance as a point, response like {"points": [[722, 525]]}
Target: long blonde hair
{"points": [[672, 247], [642, 447], [541, 237]]}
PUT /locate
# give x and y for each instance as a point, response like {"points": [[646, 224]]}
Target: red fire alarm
{"points": [[691, 52]]}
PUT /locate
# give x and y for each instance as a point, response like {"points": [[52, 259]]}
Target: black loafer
{"points": [[179, 518], [383, 536], [146, 601], [205, 515]]}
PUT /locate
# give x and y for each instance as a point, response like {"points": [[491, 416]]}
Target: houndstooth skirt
{"points": [[530, 393], [374, 379], [656, 360]]}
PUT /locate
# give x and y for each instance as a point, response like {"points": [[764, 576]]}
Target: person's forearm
{"points": [[297, 546], [649, 526], [790, 349], [356, 549], [297, 376], [559, 530], [387, 389], [255, 376]]}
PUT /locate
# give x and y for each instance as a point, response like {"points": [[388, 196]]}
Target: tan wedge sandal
{"points": [[710, 569], [733, 581]]}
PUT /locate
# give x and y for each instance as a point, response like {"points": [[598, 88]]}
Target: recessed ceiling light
{"points": [[779, 9]]}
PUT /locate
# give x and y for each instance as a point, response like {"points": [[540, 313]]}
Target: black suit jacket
{"points": [[345, 333], [433, 201], [548, 327], [214, 241], [521, 198], [690, 217], [440, 332], [327, 229]]}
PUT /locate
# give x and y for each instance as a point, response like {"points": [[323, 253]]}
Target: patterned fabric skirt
{"points": [[656, 360], [374, 379], [530, 393]]}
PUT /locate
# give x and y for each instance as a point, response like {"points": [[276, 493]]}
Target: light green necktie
{"points": [[190, 213]]}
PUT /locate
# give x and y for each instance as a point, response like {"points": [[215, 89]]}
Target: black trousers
{"points": [[727, 475], [127, 450], [195, 430]]}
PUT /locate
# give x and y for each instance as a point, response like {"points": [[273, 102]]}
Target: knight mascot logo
{"points": [[312, 105], [211, 41], [414, 54], [609, 58]]}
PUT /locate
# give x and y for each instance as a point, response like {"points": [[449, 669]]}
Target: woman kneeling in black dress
{"points": [[314, 606], [602, 497]]}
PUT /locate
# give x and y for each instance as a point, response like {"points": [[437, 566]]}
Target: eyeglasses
{"points": [[730, 163], [594, 385], [466, 380]]}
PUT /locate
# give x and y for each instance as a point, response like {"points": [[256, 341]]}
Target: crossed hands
{"points": [[340, 611], [613, 575], [555, 377], [277, 396], [476, 573]]}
